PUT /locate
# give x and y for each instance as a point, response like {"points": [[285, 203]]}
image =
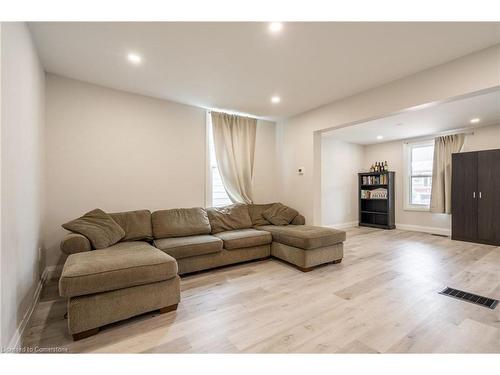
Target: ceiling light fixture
{"points": [[134, 58], [380, 137], [275, 99], [275, 27], [475, 120]]}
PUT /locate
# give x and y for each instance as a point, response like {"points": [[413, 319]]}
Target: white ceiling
{"points": [[416, 123], [239, 66]]}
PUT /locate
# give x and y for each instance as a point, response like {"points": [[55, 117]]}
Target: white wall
{"points": [[265, 176], [22, 147], [299, 143], [484, 138], [340, 163], [120, 151]]}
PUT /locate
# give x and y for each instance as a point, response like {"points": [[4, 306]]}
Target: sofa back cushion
{"points": [[231, 217], [136, 224], [256, 210], [180, 222], [99, 227], [279, 214]]}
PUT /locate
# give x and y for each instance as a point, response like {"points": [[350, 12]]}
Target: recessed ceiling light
{"points": [[275, 99], [380, 136], [134, 58], [475, 120], [275, 27]]}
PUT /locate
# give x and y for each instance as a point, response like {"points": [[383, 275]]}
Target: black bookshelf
{"points": [[376, 213]]}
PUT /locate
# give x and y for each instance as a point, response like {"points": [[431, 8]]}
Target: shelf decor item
{"points": [[378, 193], [379, 167], [376, 199]]}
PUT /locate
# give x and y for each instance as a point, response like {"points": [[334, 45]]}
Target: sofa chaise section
{"points": [[119, 281], [306, 246], [116, 283]]}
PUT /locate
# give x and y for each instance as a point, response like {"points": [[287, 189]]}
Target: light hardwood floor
{"points": [[382, 298]]}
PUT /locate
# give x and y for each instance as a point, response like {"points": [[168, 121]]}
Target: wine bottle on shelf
{"points": [[386, 166]]}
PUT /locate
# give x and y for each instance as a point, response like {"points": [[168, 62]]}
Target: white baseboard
{"points": [[420, 228], [349, 224], [16, 338]]}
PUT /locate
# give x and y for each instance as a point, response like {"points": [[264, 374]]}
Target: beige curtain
{"points": [[234, 141], [441, 171]]}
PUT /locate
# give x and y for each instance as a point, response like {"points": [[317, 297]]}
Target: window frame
{"points": [[408, 147]]}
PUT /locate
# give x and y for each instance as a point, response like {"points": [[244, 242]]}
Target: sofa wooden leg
{"points": [[85, 334], [167, 309], [305, 269], [337, 261]]}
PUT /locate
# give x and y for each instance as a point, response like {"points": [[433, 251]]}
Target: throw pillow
{"points": [[101, 230], [256, 210], [279, 214]]}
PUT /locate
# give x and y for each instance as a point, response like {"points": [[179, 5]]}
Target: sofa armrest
{"points": [[299, 220], [75, 243]]}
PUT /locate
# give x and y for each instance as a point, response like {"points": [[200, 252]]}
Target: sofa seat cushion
{"points": [[241, 238], [305, 236], [123, 265], [190, 246]]}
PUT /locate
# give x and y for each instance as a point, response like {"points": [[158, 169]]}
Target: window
{"points": [[216, 193], [418, 178]]}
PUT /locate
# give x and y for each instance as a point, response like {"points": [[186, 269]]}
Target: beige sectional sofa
{"points": [[140, 272]]}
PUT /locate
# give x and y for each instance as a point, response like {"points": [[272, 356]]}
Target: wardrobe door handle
{"points": [[474, 195], [480, 195]]}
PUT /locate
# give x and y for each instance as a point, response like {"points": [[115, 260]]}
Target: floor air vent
{"points": [[469, 297]]}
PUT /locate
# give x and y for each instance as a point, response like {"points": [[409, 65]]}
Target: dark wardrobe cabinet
{"points": [[475, 195]]}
